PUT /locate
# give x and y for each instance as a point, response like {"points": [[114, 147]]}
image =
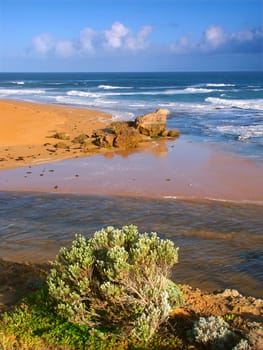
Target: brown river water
{"points": [[221, 244]]}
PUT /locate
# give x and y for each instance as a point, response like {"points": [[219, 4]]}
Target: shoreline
{"points": [[160, 169]]}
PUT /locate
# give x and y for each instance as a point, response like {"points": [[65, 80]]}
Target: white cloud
{"points": [[116, 35], [120, 36], [42, 43], [214, 36]]}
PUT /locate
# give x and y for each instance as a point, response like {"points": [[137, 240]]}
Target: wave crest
{"points": [[111, 87], [11, 92], [242, 104]]}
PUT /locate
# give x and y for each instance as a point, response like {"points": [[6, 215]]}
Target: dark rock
{"points": [[103, 139], [152, 124], [82, 138], [61, 136], [118, 127], [61, 145]]}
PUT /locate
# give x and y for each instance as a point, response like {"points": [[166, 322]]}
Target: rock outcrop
{"points": [[120, 134], [127, 138], [152, 124]]}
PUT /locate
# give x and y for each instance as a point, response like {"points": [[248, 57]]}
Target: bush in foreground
{"points": [[118, 279]]}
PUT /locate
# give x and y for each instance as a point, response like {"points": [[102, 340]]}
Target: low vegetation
{"points": [[112, 291]]}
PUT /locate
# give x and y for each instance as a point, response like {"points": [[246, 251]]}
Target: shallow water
{"points": [[221, 244]]}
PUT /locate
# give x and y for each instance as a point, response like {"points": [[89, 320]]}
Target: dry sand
{"points": [[27, 127]]}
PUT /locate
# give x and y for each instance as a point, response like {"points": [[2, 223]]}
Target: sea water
{"points": [[221, 244]]}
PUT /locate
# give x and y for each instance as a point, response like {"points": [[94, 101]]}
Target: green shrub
{"points": [[119, 279]]}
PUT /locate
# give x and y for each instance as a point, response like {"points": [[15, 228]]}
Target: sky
{"points": [[130, 35]]}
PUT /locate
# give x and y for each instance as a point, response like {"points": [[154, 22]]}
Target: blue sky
{"points": [[131, 35]]}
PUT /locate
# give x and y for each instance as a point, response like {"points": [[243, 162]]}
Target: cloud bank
{"points": [[119, 38], [216, 40]]}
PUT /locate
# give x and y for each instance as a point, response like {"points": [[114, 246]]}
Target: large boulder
{"points": [[152, 124], [127, 138]]}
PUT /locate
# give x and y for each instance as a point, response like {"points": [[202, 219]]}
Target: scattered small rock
{"points": [[61, 136], [82, 138], [173, 133], [61, 145]]}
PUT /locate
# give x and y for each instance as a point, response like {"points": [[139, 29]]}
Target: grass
{"points": [[34, 325]]}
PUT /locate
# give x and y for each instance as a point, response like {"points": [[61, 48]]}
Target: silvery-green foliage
{"points": [[242, 345], [116, 277], [213, 331]]}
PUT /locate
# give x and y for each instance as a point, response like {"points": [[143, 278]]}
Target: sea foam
{"points": [[111, 87], [10, 92], [242, 104]]}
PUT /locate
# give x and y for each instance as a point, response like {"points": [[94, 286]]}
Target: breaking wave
{"points": [[12, 92], [18, 82], [219, 85], [111, 87], [243, 132], [242, 104], [135, 93]]}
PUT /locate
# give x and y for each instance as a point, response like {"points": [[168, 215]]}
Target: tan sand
{"points": [[27, 127]]}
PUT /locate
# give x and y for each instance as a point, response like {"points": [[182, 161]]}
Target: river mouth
{"points": [[221, 243]]}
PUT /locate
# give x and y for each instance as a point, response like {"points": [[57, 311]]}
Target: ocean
{"points": [[221, 243], [225, 108]]}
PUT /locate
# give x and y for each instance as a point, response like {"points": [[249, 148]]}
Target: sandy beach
{"points": [[175, 169], [26, 130]]}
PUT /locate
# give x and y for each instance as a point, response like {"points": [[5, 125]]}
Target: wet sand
{"points": [[176, 169], [170, 170]]}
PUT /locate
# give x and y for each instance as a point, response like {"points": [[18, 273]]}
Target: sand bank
{"points": [[26, 129]]}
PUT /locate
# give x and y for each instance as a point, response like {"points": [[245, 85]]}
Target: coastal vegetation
{"points": [[114, 291]]}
